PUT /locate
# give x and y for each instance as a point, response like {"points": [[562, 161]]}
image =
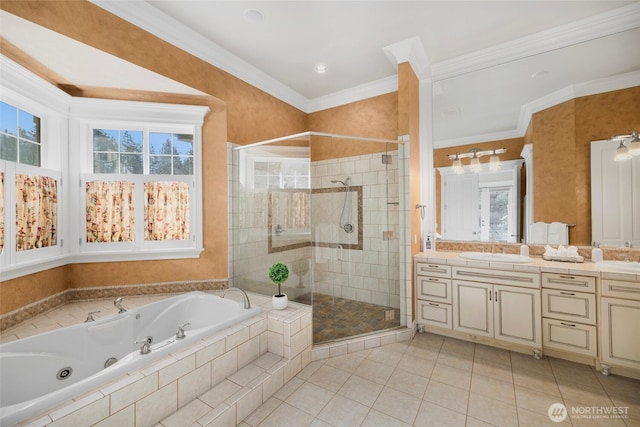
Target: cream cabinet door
{"points": [[473, 308], [619, 332], [517, 315]]}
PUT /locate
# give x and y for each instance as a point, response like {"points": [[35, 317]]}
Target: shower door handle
{"points": [[339, 252]]}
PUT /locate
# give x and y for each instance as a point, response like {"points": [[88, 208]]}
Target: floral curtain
{"points": [[166, 211], [110, 211], [1, 211], [36, 212], [292, 207]]}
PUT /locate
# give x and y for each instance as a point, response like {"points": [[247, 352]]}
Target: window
{"points": [[284, 173], [140, 179], [19, 135]]}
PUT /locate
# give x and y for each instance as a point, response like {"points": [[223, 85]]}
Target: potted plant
{"points": [[278, 274]]}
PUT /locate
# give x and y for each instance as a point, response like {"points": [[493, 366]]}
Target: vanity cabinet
{"points": [[433, 289], [504, 305], [620, 319], [569, 313]]}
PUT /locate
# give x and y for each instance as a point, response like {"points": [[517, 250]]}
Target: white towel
{"points": [[557, 234], [538, 233]]}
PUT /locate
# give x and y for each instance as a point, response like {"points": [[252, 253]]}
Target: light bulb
{"points": [[622, 153], [457, 165], [475, 165], [494, 162]]}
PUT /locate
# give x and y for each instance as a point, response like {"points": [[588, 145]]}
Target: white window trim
{"points": [[89, 114], [61, 118]]}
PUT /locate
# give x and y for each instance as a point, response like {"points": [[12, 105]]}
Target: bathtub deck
{"points": [[217, 382]]}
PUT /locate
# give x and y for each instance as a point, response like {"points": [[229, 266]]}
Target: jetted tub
{"points": [[39, 372]]}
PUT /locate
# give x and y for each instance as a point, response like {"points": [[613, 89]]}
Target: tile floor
{"points": [[437, 381]]}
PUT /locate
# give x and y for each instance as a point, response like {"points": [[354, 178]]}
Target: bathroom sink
{"points": [[484, 256], [626, 266]]}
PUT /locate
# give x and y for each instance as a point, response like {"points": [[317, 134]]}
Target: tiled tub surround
{"points": [[254, 359], [30, 311]]}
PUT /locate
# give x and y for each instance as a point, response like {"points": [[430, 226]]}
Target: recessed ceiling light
{"points": [[253, 15], [539, 74], [320, 68]]}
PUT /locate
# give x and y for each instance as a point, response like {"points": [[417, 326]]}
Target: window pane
{"points": [[8, 148], [160, 165], [131, 163], [105, 163], [499, 216], [29, 153], [159, 143], [105, 140], [183, 165], [183, 144], [29, 127], [131, 142], [8, 119]]}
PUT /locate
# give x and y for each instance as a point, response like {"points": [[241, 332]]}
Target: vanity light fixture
{"points": [[474, 154], [623, 152]]}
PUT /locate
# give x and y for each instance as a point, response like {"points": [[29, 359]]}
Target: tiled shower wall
{"points": [[369, 275]]}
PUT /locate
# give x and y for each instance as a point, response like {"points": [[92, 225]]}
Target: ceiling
{"points": [[480, 54]]}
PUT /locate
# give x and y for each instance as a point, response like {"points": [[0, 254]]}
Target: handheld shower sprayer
{"points": [[346, 225]]}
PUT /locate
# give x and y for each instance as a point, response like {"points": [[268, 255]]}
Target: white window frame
{"points": [[25, 91], [90, 114]]}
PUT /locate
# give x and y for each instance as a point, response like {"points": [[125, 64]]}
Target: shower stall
{"points": [[329, 207]]}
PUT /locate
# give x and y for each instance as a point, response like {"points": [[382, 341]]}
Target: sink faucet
{"points": [[118, 304], [146, 345], [90, 317], [180, 334], [247, 303]]}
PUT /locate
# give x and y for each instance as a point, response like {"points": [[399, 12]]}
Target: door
{"points": [[473, 308], [517, 315], [619, 332]]}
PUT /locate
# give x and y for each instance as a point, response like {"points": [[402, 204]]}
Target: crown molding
{"points": [[608, 23], [477, 139], [147, 17], [357, 93], [412, 51]]}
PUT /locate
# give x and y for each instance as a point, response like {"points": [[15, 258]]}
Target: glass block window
{"points": [[19, 136]]}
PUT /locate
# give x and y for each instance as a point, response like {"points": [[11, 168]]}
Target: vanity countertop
{"points": [[538, 265]]}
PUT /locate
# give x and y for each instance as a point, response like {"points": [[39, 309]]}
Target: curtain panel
{"points": [[110, 211], [36, 212], [166, 211]]}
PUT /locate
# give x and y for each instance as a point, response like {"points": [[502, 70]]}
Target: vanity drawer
{"points": [[569, 282], [621, 289], [498, 277], [434, 314], [434, 289], [569, 336], [570, 306], [434, 270]]}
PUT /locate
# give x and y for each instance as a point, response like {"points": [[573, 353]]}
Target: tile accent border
{"points": [[15, 317]]}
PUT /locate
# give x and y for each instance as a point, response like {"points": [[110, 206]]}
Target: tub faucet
{"points": [[180, 334], [90, 317], [118, 304], [146, 345], [247, 303]]}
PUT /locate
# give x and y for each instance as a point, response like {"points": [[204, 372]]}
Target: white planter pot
{"points": [[280, 302]]}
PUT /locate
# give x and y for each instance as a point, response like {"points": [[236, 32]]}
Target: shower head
{"points": [[345, 182]]}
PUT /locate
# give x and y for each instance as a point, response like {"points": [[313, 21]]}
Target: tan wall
{"points": [[561, 138], [371, 118], [244, 114]]}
